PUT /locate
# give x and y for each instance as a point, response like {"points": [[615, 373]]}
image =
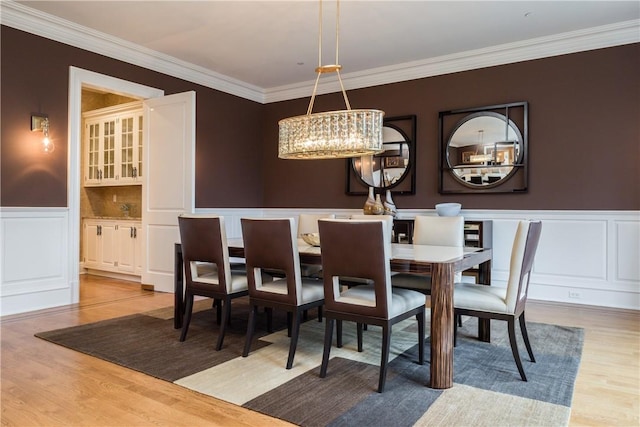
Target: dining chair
{"points": [[437, 231], [499, 303], [272, 244], [308, 223], [207, 268], [388, 219], [361, 249]]}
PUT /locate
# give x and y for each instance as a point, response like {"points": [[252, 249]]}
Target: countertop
{"points": [[118, 218]]}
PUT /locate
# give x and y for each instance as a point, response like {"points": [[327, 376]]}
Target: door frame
{"points": [[79, 78]]}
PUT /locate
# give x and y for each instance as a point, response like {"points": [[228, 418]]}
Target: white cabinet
{"points": [[99, 244], [113, 145], [129, 253], [112, 246]]}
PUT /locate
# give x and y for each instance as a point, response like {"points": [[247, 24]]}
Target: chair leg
{"points": [[269, 311], [250, 327], [320, 313], [226, 310], [359, 328], [525, 336], [328, 337], [297, 319], [455, 331], [187, 316], [289, 324], [514, 347], [218, 305], [384, 358], [339, 333], [420, 318]]}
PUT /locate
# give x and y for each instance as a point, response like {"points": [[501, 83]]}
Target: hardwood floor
{"points": [[46, 384]]}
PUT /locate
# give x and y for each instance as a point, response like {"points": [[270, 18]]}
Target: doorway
{"points": [[79, 79]]}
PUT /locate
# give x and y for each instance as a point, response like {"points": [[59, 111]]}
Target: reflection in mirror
{"points": [[388, 168], [483, 148]]}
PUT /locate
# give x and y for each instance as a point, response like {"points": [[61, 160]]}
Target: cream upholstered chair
{"points": [[432, 230], [308, 223], [492, 302], [207, 268], [272, 244], [375, 304]]}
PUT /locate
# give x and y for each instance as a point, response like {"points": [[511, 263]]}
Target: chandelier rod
{"points": [[328, 68]]}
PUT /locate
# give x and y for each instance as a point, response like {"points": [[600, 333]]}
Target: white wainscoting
{"points": [[34, 266], [584, 257]]}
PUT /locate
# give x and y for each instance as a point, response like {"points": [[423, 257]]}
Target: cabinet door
{"points": [[130, 148], [92, 156], [108, 151], [137, 247], [108, 245], [126, 247], [91, 245]]}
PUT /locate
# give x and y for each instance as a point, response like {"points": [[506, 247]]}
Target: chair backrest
{"points": [[354, 248], [388, 219], [204, 240], [525, 245], [438, 230], [272, 244], [308, 223]]}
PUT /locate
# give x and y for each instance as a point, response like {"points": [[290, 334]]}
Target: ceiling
{"points": [[272, 44]]}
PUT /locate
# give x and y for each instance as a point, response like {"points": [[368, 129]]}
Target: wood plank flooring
{"points": [[48, 385]]}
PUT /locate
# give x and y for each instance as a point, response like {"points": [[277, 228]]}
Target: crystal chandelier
{"points": [[332, 134]]}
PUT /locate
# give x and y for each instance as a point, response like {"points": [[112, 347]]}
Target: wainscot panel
{"points": [[584, 257], [35, 260]]}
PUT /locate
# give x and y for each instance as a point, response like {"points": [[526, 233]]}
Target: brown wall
{"points": [[584, 134], [584, 131]]}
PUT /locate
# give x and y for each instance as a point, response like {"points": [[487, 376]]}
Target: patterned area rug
{"points": [[487, 388]]}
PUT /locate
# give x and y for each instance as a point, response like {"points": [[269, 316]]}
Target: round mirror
{"points": [[483, 148], [387, 169]]}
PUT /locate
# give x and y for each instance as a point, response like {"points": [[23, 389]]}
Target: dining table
{"points": [[439, 262]]}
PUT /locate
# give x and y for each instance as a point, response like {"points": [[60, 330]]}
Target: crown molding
{"points": [[621, 33], [33, 21], [30, 20]]}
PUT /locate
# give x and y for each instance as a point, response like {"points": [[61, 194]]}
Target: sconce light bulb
{"points": [[47, 145]]}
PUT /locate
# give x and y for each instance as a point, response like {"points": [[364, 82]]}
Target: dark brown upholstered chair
{"points": [[361, 249], [492, 302], [207, 268], [272, 244]]}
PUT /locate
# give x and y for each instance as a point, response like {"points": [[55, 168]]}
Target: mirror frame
{"points": [[406, 126], [450, 121]]}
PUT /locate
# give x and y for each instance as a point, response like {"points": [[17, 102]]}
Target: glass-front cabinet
{"points": [[113, 145]]}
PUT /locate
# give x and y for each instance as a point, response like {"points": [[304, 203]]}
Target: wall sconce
{"points": [[40, 122]]}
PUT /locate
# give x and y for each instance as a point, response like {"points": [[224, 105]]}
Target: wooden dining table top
{"points": [[406, 258]]}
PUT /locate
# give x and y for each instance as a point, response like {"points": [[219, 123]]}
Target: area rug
{"points": [[487, 388]]}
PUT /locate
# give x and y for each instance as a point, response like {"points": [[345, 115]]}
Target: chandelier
{"points": [[332, 134]]}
